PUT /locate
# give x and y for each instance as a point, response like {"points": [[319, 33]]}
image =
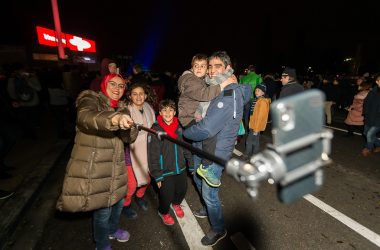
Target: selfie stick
{"points": [[268, 164], [163, 135]]}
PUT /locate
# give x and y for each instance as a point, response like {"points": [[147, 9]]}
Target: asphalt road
{"points": [[343, 214]]}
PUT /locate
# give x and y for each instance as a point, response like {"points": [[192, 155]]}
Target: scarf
{"points": [[219, 78], [169, 129]]}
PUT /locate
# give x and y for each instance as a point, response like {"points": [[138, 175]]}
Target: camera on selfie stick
{"points": [[301, 147]]}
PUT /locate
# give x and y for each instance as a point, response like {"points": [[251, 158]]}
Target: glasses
{"points": [[114, 85]]}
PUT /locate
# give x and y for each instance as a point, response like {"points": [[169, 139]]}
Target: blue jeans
{"points": [[105, 223], [210, 197], [370, 134]]}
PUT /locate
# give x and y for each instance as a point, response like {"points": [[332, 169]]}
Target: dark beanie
{"points": [[262, 87], [289, 72]]}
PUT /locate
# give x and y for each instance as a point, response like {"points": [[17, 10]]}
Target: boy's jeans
{"points": [[105, 223]]}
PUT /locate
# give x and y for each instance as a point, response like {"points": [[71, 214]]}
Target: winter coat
{"points": [[165, 157], [222, 119], [139, 149], [372, 108], [355, 112], [192, 91], [291, 88], [95, 174], [259, 117]]}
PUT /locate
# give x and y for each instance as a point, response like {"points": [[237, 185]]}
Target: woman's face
{"points": [[138, 96], [115, 88]]}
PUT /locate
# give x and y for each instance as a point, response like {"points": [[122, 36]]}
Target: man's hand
{"points": [[231, 79], [159, 184]]}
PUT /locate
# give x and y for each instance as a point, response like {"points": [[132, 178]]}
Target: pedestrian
{"points": [[140, 98], [167, 164], [107, 66], [290, 86], [257, 121], [222, 119], [251, 79], [355, 118], [95, 178], [195, 94], [372, 120]]}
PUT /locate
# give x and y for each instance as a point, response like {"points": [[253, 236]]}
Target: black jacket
{"points": [[290, 89], [165, 157], [372, 108]]}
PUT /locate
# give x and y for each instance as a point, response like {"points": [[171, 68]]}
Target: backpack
{"points": [[23, 91]]}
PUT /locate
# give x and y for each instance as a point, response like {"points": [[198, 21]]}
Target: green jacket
{"points": [[252, 79]]}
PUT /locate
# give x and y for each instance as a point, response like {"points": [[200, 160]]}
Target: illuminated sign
{"points": [[48, 37]]}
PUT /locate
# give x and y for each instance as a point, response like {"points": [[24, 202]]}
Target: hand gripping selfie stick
{"points": [[294, 161]]}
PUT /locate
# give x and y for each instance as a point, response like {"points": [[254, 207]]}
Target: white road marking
{"points": [[340, 129], [363, 231], [190, 228], [237, 152]]}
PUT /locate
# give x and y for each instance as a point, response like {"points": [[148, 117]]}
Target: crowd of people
{"points": [[112, 163]]}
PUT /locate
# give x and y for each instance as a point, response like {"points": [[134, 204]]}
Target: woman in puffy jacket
{"points": [[95, 178], [355, 116]]}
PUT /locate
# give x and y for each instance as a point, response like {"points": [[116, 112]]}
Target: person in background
{"points": [[138, 76], [140, 97], [372, 120], [257, 121], [223, 119], [167, 164], [355, 116], [251, 79], [290, 86], [95, 178], [107, 66]]}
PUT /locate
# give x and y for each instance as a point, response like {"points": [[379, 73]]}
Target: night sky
{"points": [[265, 33]]}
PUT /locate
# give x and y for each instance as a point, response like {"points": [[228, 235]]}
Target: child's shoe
{"points": [[143, 204], [129, 212], [120, 235], [167, 219], [208, 175], [177, 210]]}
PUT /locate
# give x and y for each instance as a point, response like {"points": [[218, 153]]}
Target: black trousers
{"points": [[173, 190]]}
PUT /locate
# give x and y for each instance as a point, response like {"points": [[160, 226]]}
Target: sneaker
{"points": [[143, 204], [177, 210], [211, 238], [5, 194], [120, 235], [208, 175], [200, 213], [366, 152], [167, 219], [129, 212]]}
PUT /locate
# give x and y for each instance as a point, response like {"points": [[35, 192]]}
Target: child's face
{"points": [[259, 92], [200, 68], [138, 96], [167, 114]]}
